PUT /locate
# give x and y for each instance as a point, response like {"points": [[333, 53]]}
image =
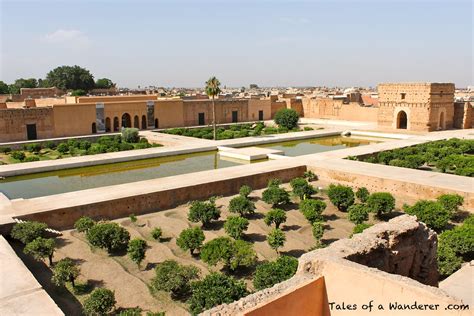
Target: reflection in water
{"points": [[68, 180]]}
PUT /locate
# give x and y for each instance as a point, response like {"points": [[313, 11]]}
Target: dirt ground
{"points": [[120, 274]]}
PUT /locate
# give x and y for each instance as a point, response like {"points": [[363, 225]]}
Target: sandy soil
{"points": [[130, 283]]}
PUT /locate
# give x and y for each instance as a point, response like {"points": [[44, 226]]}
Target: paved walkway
{"points": [[20, 293], [461, 284]]}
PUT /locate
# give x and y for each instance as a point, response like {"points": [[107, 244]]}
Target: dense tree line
{"points": [[66, 78]]}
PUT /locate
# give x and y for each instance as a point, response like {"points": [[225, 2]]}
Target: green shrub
{"points": [[97, 149], [241, 205], [312, 209], [62, 148], [276, 239], [41, 248], [49, 145], [270, 130], [174, 278], [83, 224], [110, 236], [318, 232], [190, 239], [275, 195], [18, 155], [358, 213], [34, 147], [286, 118], [307, 128], [235, 226], [130, 135], [245, 191], [65, 270], [204, 212], [213, 290], [341, 196], [301, 188], [156, 233], [359, 228], [310, 176], [270, 273], [78, 93], [125, 147], [275, 216], [448, 261], [136, 250], [362, 194], [72, 143], [232, 253], [5, 150], [100, 302], [135, 311], [451, 202], [381, 202], [28, 231], [31, 159], [433, 214]]}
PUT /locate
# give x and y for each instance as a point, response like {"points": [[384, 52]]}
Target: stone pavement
{"points": [[20, 293], [461, 284]]}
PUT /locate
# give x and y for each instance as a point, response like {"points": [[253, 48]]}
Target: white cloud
{"points": [[66, 36]]}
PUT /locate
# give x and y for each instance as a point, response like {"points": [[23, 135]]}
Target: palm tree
{"points": [[213, 89]]}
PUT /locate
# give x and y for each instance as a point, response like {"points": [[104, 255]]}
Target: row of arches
{"points": [[114, 125]]}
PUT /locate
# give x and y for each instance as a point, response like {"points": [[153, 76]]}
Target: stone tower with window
{"points": [[416, 106]]}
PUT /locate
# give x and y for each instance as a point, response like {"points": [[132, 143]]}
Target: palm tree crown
{"points": [[213, 87]]}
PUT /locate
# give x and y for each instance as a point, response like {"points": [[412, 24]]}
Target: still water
{"points": [[54, 182], [318, 145]]}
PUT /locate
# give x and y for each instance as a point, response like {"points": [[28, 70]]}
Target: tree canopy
{"points": [[71, 78], [104, 83]]}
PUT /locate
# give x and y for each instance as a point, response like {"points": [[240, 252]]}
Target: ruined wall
{"points": [[326, 108], [224, 110], [402, 250], [276, 106], [256, 105], [463, 115], [73, 119], [170, 113], [13, 123], [429, 106]]}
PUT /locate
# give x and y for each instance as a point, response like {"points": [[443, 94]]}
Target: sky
{"points": [[270, 43]]}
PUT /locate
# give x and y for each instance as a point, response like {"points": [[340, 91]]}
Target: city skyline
{"points": [[279, 43]]}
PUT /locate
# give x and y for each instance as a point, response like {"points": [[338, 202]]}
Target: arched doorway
{"points": [[442, 123], [144, 122], [156, 123], [94, 128], [116, 124], [135, 121], [126, 120], [402, 120], [107, 124]]}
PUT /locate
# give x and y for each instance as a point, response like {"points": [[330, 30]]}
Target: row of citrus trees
{"points": [[232, 252]]}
